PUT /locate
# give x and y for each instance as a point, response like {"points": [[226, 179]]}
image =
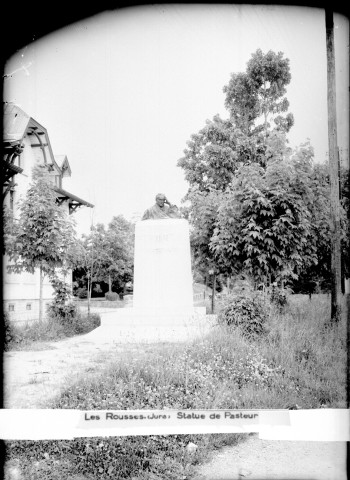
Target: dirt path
{"points": [[277, 460], [32, 378]]}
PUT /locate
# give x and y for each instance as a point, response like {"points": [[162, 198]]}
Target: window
{"points": [[29, 306], [11, 199], [11, 307]]}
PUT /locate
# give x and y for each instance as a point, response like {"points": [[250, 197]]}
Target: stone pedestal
{"points": [[162, 272], [163, 295]]}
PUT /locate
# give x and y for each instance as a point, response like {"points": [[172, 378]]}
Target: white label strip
{"points": [[67, 424], [322, 425]]}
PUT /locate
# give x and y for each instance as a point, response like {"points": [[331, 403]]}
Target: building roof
{"points": [[62, 162], [73, 201], [15, 124], [10, 166], [9, 170]]}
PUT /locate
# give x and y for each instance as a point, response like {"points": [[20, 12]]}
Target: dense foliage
{"points": [[255, 205], [214, 154], [62, 308], [247, 313], [42, 234], [105, 258]]}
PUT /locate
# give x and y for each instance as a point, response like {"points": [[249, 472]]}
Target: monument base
{"points": [[131, 325], [162, 300], [162, 271]]}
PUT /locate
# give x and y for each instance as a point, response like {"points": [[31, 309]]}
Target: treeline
{"points": [[256, 206], [105, 260]]}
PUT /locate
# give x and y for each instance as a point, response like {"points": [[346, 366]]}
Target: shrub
{"points": [[247, 311], [82, 292], [61, 308], [13, 335], [279, 297], [22, 337], [77, 324], [112, 296], [65, 314], [85, 323]]}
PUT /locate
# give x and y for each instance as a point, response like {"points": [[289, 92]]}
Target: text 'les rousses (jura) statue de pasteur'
{"points": [[161, 210]]}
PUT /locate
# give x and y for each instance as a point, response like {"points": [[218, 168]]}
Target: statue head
{"points": [[160, 199]]}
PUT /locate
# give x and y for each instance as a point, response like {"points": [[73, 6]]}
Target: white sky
{"points": [[121, 93]]}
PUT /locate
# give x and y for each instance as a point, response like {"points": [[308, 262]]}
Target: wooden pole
{"points": [[342, 270], [41, 283], [333, 171], [213, 294]]}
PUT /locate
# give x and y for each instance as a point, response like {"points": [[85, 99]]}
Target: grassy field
{"points": [[298, 363]]}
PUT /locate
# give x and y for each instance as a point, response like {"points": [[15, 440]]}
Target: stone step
{"points": [[133, 317], [137, 327]]}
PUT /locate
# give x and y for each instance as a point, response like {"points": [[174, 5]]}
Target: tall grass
{"points": [[297, 363], [312, 351], [33, 335]]}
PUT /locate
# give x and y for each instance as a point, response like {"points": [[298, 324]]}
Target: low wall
{"points": [[21, 311], [97, 303]]}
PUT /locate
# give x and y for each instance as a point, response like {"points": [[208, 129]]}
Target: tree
{"points": [[204, 207], [106, 255], [120, 237], [270, 74], [263, 226], [222, 146], [42, 234], [216, 155], [84, 265], [260, 93], [319, 274], [256, 205]]}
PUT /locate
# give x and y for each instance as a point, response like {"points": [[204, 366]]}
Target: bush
{"points": [[247, 311], [13, 335], [65, 313], [85, 323], [61, 307], [77, 324], [81, 292], [279, 297], [22, 337], [112, 296]]}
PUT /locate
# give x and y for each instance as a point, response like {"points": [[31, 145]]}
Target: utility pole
{"points": [[333, 171], [213, 289]]}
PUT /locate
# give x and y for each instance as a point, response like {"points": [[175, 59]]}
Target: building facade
{"points": [[26, 144]]}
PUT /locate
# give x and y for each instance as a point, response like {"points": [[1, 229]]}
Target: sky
{"points": [[120, 93]]}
